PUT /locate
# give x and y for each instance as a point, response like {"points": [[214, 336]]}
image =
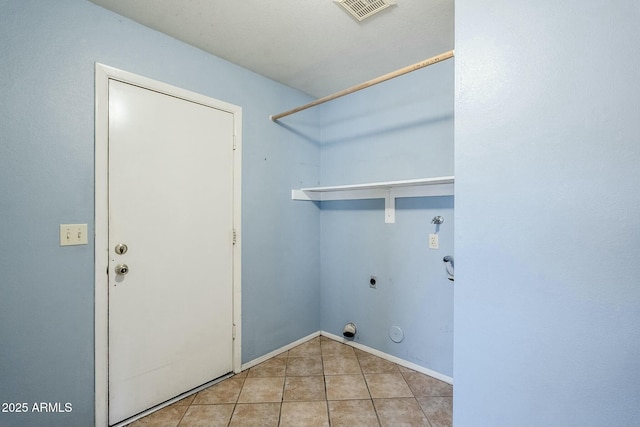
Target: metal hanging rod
{"points": [[389, 76]]}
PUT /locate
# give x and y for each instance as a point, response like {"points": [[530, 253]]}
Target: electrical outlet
{"points": [[433, 241]]}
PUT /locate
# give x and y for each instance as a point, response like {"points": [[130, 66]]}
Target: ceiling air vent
{"points": [[362, 9]]}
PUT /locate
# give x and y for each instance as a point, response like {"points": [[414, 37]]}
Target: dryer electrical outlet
{"points": [[433, 241]]}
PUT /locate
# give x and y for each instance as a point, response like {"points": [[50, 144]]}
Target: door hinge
{"points": [[233, 331], [234, 142], [235, 236]]}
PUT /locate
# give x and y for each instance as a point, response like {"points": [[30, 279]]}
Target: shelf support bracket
{"points": [[389, 208]]}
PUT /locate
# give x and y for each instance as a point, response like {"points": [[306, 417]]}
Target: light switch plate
{"points": [[73, 234]]}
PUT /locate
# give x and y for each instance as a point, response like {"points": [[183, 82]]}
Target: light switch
{"points": [[73, 234]]}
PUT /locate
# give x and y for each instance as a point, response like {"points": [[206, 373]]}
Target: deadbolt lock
{"points": [[121, 249], [122, 269]]}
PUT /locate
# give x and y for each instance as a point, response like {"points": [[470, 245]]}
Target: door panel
{"points": [[171, 203]]}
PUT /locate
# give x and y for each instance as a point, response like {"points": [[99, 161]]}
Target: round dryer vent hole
{"points": [[373, 280], [396, 334]]}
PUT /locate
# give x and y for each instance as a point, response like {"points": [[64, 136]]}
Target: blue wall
{"points": [[48, 51], [401, 129], [547, 302]]}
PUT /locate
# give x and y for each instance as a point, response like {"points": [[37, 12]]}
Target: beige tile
{"points": [[256, 415], [404, 369], [307, 349], [371, 364], [268, 389], [387, 385], [439, 410], [226, 391], [304, 414], [267, 398], [282, 355], [360, 353], [207, 416], [242, 374], [270, 368], [165, 417], [403, 412], [343, 387], [352, 413], [304, 388], [334, 348], [425, 386], [341, 364], [304, 366], [186, 401]]}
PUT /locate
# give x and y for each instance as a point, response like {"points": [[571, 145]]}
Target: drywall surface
{"points": [[547, 232], [48, 51], [401, 129]]}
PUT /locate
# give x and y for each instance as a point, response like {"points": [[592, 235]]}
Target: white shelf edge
{"points": [[389, 190], [384, 185]]}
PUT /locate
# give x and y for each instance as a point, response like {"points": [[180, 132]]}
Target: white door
{"points": [[170, 179]]}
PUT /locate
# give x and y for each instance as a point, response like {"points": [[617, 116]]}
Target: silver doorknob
{"points": [[121, 249], [122, 269]]}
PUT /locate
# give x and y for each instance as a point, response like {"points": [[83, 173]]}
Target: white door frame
{"points": [[103, 74]]}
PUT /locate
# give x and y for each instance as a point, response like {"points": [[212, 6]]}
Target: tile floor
{"points": [[319, 383]]}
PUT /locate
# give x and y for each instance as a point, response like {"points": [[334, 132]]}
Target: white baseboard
{"points": [[390, 358], [274, 353]]}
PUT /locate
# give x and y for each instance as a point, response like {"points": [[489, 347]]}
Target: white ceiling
{"points": [[311, 45]]}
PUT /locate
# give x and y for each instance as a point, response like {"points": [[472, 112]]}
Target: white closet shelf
{"points": [[389, 191]]}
